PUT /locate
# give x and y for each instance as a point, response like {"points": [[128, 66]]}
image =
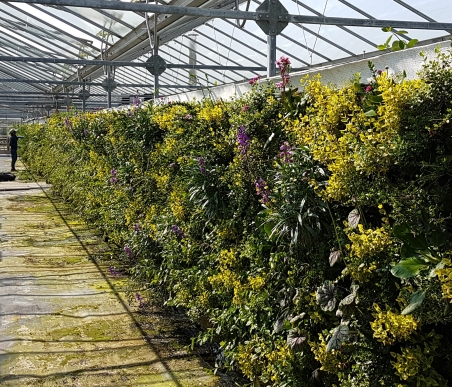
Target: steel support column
{"points": [[271, 55]]}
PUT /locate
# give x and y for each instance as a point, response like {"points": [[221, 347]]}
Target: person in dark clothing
{"points": [[13, 148]]}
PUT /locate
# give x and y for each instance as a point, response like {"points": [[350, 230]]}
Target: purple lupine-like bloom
{"points": [[136, 228], [128, 251], [188, 117], [179, 233], [202, 164], [262, 190], [85, 133], [136, 101], [286, 152], [243, 140], [280, 85], [139, 298], [245, 108], [113, 179], [379, 72], [113, 271], [68, 122], [172, 165]]}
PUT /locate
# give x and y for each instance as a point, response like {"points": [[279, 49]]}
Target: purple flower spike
{"points": [[179, 233], [136, 101], [113, 271], [68, 122], [286, 152], [128, 251], [202, 164], [139, 298], [262, 190], [137, 228], [243, 141]]}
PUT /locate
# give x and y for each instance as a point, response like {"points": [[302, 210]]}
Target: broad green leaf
{"points": [[370, 113], [408, 268], [438, 237], [375, 98], [295, 340], [326, 296], [398, 45], [353, 218], [340, 335], [400, 230], [403, 32], [268, 228], [415, 302], [386, 29], [412, 43], [382, 47]]}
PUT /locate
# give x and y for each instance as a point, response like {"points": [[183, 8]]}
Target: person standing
{"points": [[13, 148]]}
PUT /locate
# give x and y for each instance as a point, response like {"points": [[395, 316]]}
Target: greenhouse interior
{"points": [[226, 193]]}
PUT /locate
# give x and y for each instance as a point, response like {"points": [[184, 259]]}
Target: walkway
{"points": [[63, 318]]}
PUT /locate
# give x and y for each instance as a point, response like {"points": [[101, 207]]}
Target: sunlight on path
{"points": [[63, 322]]}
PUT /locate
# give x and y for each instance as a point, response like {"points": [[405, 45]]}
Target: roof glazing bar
{"points": [[265, 41], [235, 39], [341, 27], [14, 53], [229, 48], [53, 44], [101, 11], [221, 55], [417, 12], [359, 10], [103, 28], [229, 14], [55, 28], [75, 26], [216, 67], [131, 64]]}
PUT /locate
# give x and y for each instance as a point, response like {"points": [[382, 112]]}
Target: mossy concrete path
{"points": [[64, 319]]}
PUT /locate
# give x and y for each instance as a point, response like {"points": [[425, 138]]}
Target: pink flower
{"points": [[368, 89], [283, 63], [245, 108]]}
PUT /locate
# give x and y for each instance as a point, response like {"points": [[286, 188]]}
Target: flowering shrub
{"points": [[281, 217]]}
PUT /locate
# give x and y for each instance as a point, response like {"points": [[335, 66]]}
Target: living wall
{"points": [[310, 228]]}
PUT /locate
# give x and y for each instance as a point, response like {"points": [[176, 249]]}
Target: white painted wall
{"points": [[338, 74]]}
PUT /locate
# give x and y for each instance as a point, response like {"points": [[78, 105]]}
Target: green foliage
{"points": [[310, 229], [398, 44]]}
